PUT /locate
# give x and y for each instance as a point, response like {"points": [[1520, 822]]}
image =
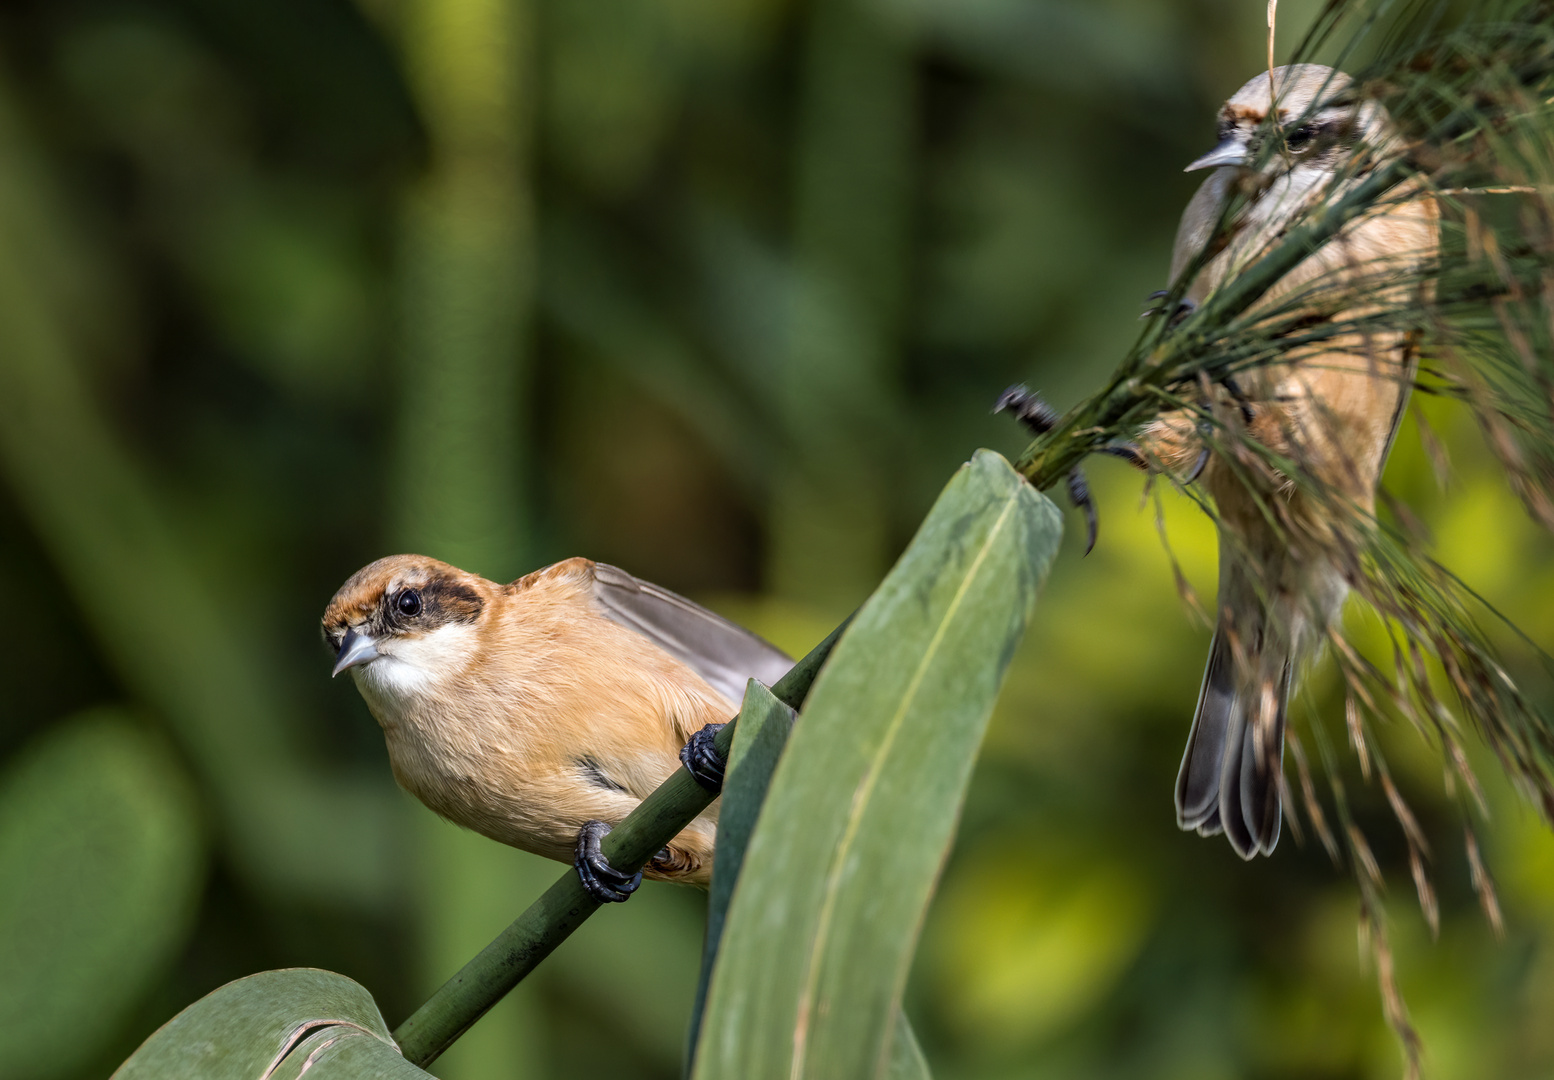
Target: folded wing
{"points": [[723, 653]]}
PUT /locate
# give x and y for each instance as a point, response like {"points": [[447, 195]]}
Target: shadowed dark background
{"points": [[717, 290]]}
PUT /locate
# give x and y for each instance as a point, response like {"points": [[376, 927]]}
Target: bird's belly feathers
{"points": [[529, 771]]}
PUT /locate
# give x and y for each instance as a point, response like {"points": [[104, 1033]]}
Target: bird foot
{"points": [[1206, 428], [1197, 466], [1183, 308], [1028, 408], [600, 880], [1040, 418], [1079, 496], [1129, 453], [1239, 396], [702, 760]]}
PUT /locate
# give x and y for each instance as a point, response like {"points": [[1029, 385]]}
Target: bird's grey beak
{"points": [[1230, 152], [355, 649]]}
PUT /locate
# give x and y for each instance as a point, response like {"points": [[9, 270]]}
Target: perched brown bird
{"points": [[1332, 408], [542, 712]]}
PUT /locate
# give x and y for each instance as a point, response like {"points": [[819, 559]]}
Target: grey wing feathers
{"points": [[725, 654]]}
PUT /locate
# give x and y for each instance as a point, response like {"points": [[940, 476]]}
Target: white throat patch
{"points": [[409, 668]]}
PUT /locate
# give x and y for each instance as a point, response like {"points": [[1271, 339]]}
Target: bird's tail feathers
{"points": [[1251, 803], [1229, 779], [1197, 784]]}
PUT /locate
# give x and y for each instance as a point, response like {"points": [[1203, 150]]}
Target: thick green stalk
{"points": [[548, 922]]}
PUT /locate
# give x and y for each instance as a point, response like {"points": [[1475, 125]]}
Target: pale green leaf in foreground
{"points": [[764, 724], [862, 808], [759, 737], [906, 1055], [276, 1025]]}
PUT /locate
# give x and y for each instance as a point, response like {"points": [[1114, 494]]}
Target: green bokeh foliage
{"points": [[778, 267], [101, 861]]}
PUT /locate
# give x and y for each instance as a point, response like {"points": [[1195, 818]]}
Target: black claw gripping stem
{"points": [[1040, 418], [702, 760], [603, 882], [1184, 307]]}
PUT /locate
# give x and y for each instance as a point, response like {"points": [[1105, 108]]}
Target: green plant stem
{"points": [[547, 922]]}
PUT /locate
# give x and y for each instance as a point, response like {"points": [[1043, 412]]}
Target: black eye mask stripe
{"points": [[442, 603]]}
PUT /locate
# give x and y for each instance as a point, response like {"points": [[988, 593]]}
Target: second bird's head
{"points": [[1322, 122], [402, 623]]}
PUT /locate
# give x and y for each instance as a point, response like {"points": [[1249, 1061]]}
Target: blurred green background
{"points": [[717, 290]]}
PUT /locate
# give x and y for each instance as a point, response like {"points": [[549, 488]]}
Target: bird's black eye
{"points": [[1301, 136], [408, 603]]}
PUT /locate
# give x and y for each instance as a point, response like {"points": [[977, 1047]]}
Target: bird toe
{"points": [[702, 760], [602, 881]]}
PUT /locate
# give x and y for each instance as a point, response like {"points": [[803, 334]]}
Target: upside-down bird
{"points": [[542, 712], [1332, 408]]}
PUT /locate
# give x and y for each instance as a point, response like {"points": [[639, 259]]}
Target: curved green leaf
{"points": [[760, 733], [101, 863], [862, 808], [276, 1025], [339, 1052], [906, 1056]]}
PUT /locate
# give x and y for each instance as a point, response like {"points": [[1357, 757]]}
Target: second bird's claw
{"points": [[1205, 433], [1040, 418], [1158, 294], [1079, 495], [1197, 466], [1183, 308], [1128, 452], [600, 880], [702, 760], [1239, 396], [1028, 408]]}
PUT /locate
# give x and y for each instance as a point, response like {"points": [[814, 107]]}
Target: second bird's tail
{"points": [[1229, 780]]}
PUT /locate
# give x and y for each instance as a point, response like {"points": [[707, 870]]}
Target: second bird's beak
{"points": [[1230, 152], [355, 649]]}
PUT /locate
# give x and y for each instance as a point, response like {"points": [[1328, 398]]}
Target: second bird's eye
{"points": [[408, 603], [1300, 136]]}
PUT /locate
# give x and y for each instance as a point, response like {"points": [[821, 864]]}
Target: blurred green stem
{"points": [[548, 922], [829, 521], [466, 289], [458, 492]]}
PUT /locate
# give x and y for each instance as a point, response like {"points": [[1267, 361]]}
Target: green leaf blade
{"points": [[863, 806], [761, 732]]}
